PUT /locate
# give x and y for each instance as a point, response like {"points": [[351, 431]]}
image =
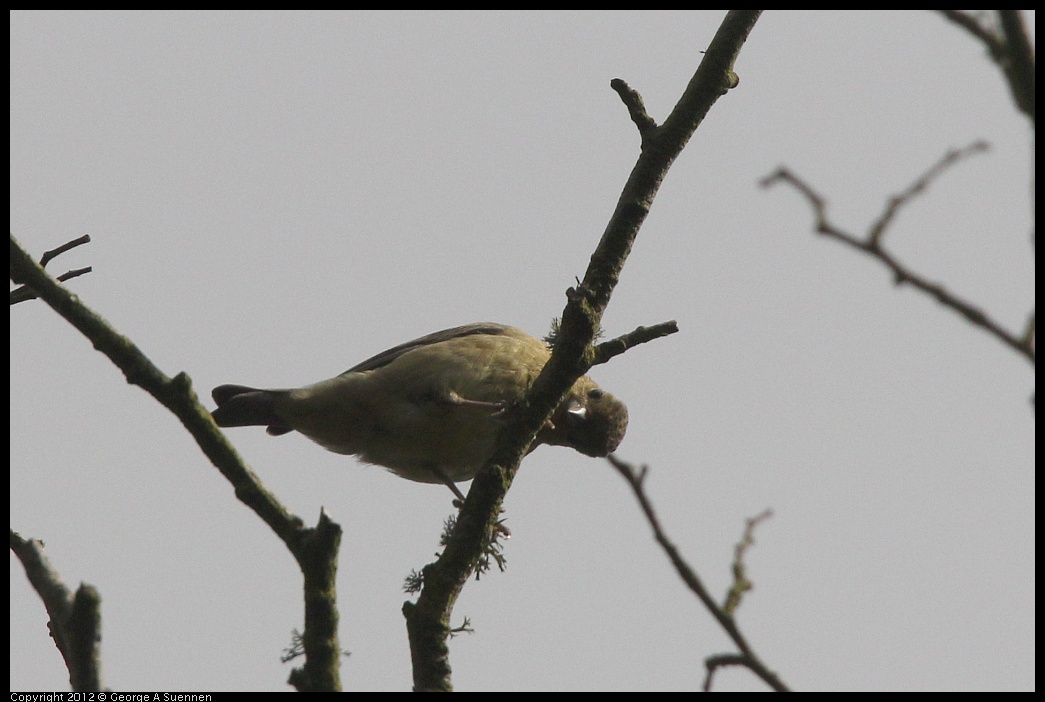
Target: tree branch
{"points": [[724, 615], [1010, 49], [25, 293], [641, 335], [871, 244], [315, 549], [428, 619], [75, 619]]}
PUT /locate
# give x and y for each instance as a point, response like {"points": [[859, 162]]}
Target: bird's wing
{"points": [[386, 357]]}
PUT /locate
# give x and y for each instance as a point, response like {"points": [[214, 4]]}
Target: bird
{"points": [[430, 410]]}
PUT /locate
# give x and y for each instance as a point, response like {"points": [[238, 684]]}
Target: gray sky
{"points": [[274, 197]]}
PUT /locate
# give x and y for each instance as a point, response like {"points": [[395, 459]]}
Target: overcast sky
{"points": [[273, 197]]}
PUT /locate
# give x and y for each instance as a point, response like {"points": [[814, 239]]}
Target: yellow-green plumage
{"points": [[430, 410]]}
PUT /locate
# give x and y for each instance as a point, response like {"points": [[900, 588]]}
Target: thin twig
{"points": [[641, 335], [747, 658], [872, 245], [636, 108], [741, 584], [26, 293], [975, 26], [920, 185], [54, 253]]}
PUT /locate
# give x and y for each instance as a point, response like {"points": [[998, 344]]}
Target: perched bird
{"points": [[430, 410]]}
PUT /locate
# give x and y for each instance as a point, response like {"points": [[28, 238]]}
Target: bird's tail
{"points": [[241, 406]]}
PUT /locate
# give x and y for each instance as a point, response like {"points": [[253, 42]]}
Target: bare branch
{"points": [[75, 619], [976, 25], [615, 347], [53, 253], [26, 293], [635, 479], [636, 108], [1010, 48], [713, 663], [428, 617], [1019, 61], [872, 245], [315, 549], [740, 582], [920, 185]]}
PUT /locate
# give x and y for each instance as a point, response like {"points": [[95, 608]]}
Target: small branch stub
{"points": [[633, 101]]}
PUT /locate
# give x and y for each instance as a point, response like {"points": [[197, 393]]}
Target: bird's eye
{"points": [[595, 394]]}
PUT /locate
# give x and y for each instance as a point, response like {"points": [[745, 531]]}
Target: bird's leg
{"points": [[459, 502], [497, 410], [441, 474], [494, 407]]}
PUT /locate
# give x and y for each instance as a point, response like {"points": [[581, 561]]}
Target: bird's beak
{"points": [[577, 411]]}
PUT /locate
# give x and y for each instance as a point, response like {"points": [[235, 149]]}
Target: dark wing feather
{"points": [[386, 357]]}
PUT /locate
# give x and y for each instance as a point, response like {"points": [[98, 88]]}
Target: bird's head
{"points": [[590, 420]]}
